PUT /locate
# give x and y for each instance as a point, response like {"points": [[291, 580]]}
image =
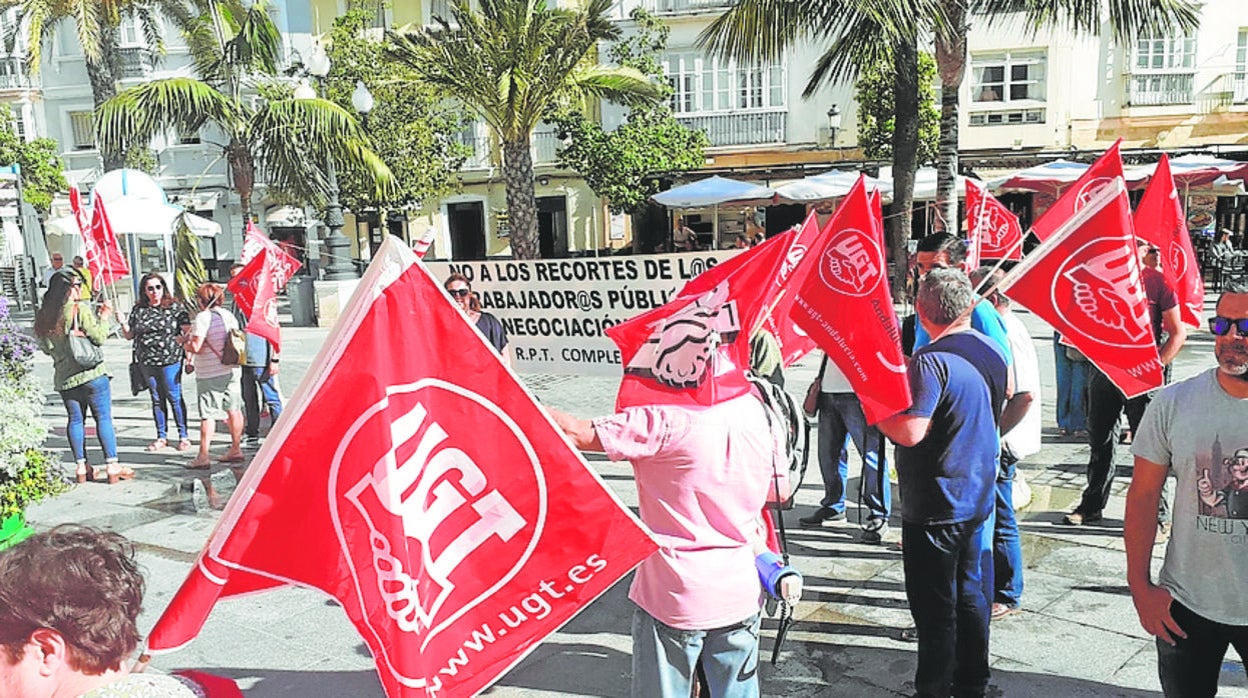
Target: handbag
{"points": [[234, 351], [138, 381], [86, 354], [811, 404]]}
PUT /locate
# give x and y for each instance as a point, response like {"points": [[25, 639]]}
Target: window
{"points": [[1165, 54], [130, 33], [702, 85], [1241, 67], [1016, 116], [188, 136], [82, 126], [1008, 77]]}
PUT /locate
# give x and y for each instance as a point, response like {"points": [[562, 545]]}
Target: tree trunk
{"points": [[243, 172], [905, 158], [951, 63], [521, 201], [103, 81]]}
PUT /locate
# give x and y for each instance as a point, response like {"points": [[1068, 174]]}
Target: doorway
{"points": [[466, 224], [552, 226]]}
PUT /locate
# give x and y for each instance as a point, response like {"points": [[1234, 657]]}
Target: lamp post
{"points": [[337, 247], [834, 123]]}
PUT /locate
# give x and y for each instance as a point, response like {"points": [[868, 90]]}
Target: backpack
{"points": [[791, 430]]}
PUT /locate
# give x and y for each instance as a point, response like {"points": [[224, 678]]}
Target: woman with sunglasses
{"points": [[65, 313], [217, 384], [461, 292], [160, 326]]}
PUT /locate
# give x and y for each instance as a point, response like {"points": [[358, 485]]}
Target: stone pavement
{"points": [[1077, 635]]}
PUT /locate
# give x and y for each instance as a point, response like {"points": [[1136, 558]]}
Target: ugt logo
{"points": [[853, 263], [995, 231], [439, 501], [1088, 189], [1109, 304]]}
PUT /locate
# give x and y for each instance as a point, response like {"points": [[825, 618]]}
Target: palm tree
{"points": [[97, 23], [511, 64], [267, 132]]}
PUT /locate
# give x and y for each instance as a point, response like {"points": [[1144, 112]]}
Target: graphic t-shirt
{"points": [[950, 476], [155, 332], [702, 477], [1196, 428]]}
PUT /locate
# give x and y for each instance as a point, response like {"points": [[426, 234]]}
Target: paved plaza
{"points": [[1077, 635]]}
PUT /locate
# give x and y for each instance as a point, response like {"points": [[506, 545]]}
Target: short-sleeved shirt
{"points": [[959, 382], [155, 330], [213, 325], [1195, 427], [702, 477], [1025, 438], [1160, 298], [984, 319], [493, 331], [148, 686]]}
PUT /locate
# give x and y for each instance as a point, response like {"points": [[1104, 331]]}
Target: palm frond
{"points": [[1128, 19], [257, 44], [183, 104]]}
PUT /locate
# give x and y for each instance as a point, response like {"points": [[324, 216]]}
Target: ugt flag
{"points": [[793, 340], [1159, 220], [415, 480], [99, 242], [845, 305], [257, 284], [1102, 172], [1085, 282], [994, 232], [695, 349]]}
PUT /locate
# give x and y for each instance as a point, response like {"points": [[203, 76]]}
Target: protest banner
{"points": [[1085, 282], [556, 311], [1159, 220], [846, 307], [415, 480]]}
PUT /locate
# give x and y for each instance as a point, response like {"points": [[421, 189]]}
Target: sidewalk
{"points": [[1077, 635]]}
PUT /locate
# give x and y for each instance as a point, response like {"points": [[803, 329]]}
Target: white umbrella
{"points": [[829, 185], [1051, 177], [713, 191]]}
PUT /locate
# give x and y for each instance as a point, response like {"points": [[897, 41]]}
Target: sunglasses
{"points": [[1221, 326], [154, 287], [458, 292]]}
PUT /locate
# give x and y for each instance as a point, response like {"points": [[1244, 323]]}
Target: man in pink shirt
{"points": [[702, 476]]}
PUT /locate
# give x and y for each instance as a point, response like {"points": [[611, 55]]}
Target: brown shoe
{"points": [[1079, 517]]}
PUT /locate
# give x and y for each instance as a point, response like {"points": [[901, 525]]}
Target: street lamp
{"points": [[337, 247], [834, 123]]}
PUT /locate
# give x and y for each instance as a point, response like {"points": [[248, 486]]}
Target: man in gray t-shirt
{"points": [[1197, 606]]}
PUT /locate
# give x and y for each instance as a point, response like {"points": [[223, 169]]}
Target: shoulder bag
{"points": [[234, 351], [86, 354]]}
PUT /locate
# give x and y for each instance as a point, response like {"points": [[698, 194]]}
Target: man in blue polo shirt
{"points": [[947, 450]]}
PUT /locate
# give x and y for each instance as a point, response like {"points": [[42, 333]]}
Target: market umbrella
{"points": [[829, 185], [1199, 170], [713, 191]]}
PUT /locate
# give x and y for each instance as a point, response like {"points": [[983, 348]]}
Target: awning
{"points": [[196, 201], [148, 219], [286, 217]]}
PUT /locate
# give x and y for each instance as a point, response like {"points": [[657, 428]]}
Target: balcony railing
{"points": [[546, 146], [1156, 89], [135, 61], [1239, 84], [13, 74], [480, 158], [675, 6], [748, 128]]}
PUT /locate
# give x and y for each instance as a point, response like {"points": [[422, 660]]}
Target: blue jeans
{"points": [[1007, 548], [164, 384], [257, 382], [1072, 385], [96, 396], [1190, 669], [949, 583], [664, 658], [841, 419]]}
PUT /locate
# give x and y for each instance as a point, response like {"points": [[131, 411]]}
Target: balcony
{"points": [[1159, 89], [683, 6], [545, 147], [480, 158], [1239, 88], [741, 128], [13, 74], [135, 62]]}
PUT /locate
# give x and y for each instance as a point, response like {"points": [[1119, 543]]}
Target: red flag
{"points": [[793, 340], [413, 479], [846, 307], [1085, 282], [994, 231], [1159, 220], [422, 245], [99, 242], [257, 284], [1106, 168], [695, 349]]}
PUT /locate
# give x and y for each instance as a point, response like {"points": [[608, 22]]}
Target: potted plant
{"points": [[28, 471]]}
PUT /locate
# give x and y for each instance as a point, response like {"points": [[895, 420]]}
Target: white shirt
{"points": [[1024, 439]]}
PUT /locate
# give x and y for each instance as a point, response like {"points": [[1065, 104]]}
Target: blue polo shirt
{"points": [[984, 319], [959, 382]]}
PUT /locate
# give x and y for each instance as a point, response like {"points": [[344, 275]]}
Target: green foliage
{"points": [[142, 159], [622, 165], [874, 94], [42, 168], [188, 266], [412, 130], [28, 473]]}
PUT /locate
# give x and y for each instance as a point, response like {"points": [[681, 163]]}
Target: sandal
{"points": [[198, 464], [184, 445], [157, 445], [231, 458], [85, 473], [122, 473]]}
